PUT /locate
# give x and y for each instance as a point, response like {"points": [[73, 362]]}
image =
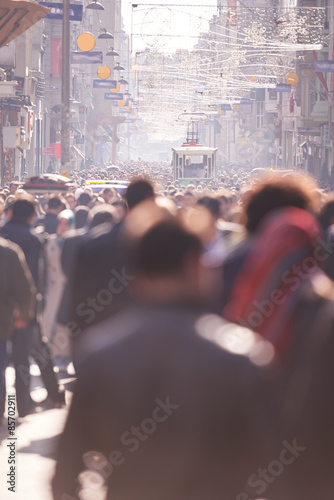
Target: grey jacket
{"points": [[165, 409]]}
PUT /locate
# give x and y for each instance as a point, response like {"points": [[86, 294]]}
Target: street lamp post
{"points": [[65, 88]]}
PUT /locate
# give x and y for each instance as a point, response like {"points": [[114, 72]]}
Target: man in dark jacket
{"points": [[17, 297], [100, 267], [164, 408], [28, 341], [49, 221]]}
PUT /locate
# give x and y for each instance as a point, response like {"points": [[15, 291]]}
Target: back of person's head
{"points": [[164, 248], [272, 193], [102, 214], [84, 199], [138, 191], [81, 215], [212, 204], [56, 203], [23, 209], [107, 191]]}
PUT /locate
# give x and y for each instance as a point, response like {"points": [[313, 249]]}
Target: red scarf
{"points": [[281, 263]]}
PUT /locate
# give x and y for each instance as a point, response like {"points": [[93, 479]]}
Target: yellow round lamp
{"points": [[117, 89], [103, 72], [292, 79], [121, 103], [86, 42]]}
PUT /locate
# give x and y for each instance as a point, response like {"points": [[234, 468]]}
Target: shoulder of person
{"points": [[235, 339]]}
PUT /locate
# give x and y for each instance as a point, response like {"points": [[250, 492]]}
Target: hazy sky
{"points": [[166, 25]]}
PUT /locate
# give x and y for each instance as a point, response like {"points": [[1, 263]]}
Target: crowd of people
{"points": [[199, 324]]}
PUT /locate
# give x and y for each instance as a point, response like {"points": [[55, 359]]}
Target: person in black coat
{"points": [[49, 221], [99, 288], [28, 341]]}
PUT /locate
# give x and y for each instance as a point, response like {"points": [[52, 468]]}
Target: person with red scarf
{"points": [[282, 293]]}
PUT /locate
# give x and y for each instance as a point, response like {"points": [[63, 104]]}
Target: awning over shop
{"points": [[309, 131], [16, 16]]}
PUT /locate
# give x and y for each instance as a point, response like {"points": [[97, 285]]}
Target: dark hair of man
{"points": [[211, 204], [274, 193], [138, 191], [84, 199], [163, 249], [55, 202], [23, 210], [100, 215], [80, 216]]}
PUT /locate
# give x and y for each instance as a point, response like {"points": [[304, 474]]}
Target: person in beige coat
{"points": [[56, 334]]}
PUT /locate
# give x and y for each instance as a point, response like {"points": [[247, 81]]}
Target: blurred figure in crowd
{"points": [[122, 209], [282, 293], [326, 221], [55, 283], [268, 195], [101, 219], [100, 260], [170, 410], [17, 302], [49, 221], [28, 341], [81, 215]]}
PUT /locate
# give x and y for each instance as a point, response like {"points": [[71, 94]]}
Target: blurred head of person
{"points": [[188, 198], [138, 191], [270, 194], [108, 194], [71, 201], [65, 222], [212, 204], [23, 211], [84, 199], [80, 216], [165, 254], [13, 187], [96, 201], [122, 209], [55, 205], [102, 214]]}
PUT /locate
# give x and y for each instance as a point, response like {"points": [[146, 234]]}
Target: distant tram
{"points": [[193, 163]]}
